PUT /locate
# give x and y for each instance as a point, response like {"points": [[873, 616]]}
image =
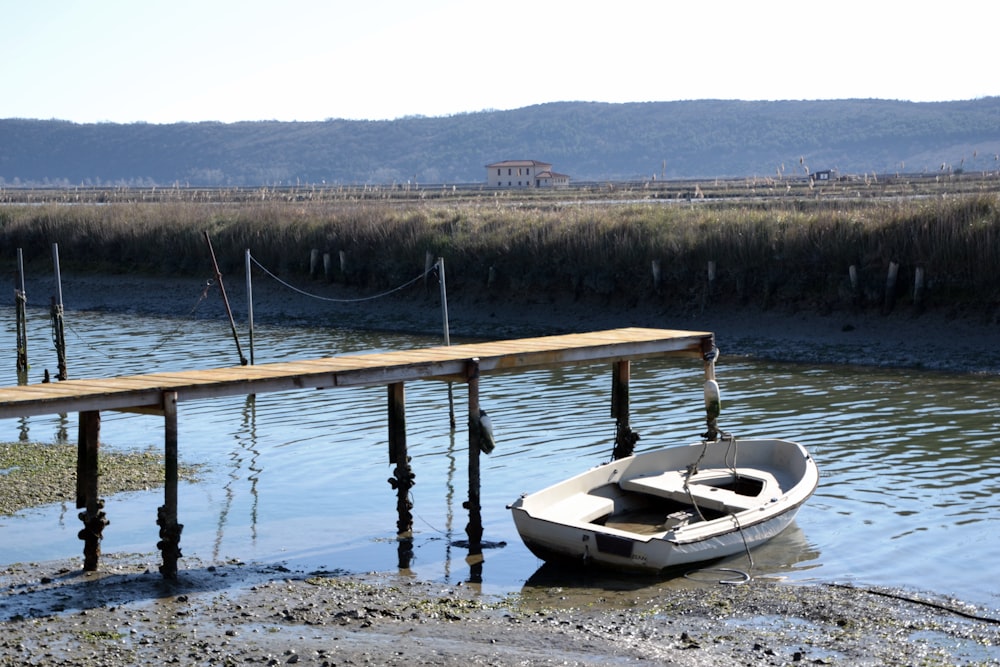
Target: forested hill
{"points": [[588, 141]]}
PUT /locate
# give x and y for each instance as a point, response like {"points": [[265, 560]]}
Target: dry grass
{"points": [[771, 250]]}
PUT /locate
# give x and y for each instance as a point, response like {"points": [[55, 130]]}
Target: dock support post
{"points": [[166, 519], [475, 528], [402, 479], [625, 437], [92, 516]]}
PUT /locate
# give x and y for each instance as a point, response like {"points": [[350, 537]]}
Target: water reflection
{"points": [[909, 492]]}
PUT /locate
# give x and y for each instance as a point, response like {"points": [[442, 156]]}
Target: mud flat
{"points": [[235, 613]]}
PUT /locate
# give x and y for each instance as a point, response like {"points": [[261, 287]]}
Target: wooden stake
{"points": [[890, 286], [918, 287], [58, 328], [314, 263], [855, 284]]}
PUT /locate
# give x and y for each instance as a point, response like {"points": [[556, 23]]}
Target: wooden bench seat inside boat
{"points": [[705, 488], [579, 507]]}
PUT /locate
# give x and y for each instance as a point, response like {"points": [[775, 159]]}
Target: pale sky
{"points": [[229, 60]]}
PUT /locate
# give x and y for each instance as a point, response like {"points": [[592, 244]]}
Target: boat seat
{"points": [[579, 507], [670, 485]]}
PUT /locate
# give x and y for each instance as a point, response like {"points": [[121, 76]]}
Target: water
{"points": [[909, 493]]}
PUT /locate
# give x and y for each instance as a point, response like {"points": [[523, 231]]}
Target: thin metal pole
{"points": [[55, 259], [249, 304], [225, 300], [447, 335], [21, 302]]}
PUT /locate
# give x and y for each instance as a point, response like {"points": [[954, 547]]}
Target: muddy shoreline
{"points": [[236, 613], [262, 613]]}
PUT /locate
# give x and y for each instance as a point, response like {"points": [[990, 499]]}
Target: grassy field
{"points": [[863, 242]]}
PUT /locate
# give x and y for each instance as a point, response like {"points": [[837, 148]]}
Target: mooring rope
{"points": [[926, 603], [327, 298], [164, 339]]}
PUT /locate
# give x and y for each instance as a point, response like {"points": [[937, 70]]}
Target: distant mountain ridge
{"points": [[590, 141]]}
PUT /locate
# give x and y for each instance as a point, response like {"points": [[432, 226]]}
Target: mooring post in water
{"points": [[87, 489], [58, 329], [475, 528], [625, 437], [166, 515], [21, 302], [403, 476]]}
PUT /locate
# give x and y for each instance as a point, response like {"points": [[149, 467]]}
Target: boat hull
{"points": [[584, 519]]}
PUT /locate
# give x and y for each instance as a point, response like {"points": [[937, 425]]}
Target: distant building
{"points": [[523, 174], [824, 175]]}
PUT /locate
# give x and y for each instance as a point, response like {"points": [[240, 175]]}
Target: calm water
{"points": [[909, 494]]}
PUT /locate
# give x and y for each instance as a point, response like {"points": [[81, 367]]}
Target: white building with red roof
{"points": [[523, 174]]}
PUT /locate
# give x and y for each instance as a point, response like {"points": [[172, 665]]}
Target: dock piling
{"points": [[403, 476], [475, 527], [166, 515], [625, 437], [87, 489]]}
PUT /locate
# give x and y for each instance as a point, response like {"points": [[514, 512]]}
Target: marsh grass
{"points": [[773, 251]]}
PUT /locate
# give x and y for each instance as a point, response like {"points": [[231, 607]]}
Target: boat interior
{"points": [[660, 502]]}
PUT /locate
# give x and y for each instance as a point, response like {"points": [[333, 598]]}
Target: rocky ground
{"points": [[261, 613]]}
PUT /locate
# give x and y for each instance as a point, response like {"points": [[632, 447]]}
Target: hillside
{"points": [[588, 141]]}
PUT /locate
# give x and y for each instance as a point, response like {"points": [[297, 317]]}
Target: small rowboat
{"points": [[672, 506]]}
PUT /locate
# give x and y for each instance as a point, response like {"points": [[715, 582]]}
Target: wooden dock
{"points": [[159, 394]]}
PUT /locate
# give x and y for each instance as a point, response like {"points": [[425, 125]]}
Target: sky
{"points": [[155, 61]]}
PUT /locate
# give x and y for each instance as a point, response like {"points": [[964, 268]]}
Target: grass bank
{"points": [[818, 254]]}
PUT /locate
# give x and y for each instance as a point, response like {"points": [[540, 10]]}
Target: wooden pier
{"points": [[159, 394]]}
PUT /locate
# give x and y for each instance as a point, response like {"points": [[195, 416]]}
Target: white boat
{"points": [[670, 507]]}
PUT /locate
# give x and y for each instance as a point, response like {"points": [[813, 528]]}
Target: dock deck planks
{"points": [[380, 368]]}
